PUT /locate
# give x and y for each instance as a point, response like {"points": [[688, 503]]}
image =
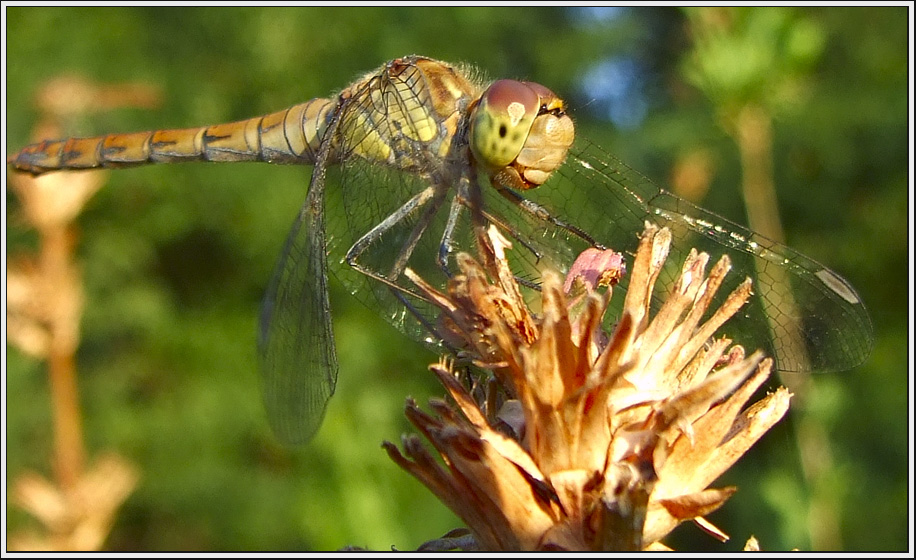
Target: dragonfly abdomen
{"points": [[289, 136]]}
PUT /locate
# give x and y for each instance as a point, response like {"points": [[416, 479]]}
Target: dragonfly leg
{"points": [[469, 195], [445, 245], [407, 249], [512, 232], [401, 296], [433, 193], [431, 197], [359, 247], [481, 219], [541, 213]]}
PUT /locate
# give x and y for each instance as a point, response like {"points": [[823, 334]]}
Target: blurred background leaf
{"points": [[176, 257]]}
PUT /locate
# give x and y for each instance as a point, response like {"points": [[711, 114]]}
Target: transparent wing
{"points": [[358, 191], [803, 314], [387, 158], [296, 340]]}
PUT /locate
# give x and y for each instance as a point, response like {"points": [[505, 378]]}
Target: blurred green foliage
{"points": [[175, 258]]}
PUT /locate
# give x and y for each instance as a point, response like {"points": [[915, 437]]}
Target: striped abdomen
{"points": [[289, 136]]}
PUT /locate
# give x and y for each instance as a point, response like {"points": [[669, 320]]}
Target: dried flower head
{"points": [[605, 443], [73, 518], [44, 300]]}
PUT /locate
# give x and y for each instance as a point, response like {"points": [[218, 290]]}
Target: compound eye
{"points": [[501, 122]]}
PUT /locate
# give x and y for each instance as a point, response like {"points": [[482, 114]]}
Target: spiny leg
{"points": [[419, 229], [434, 194], [359, 247], [432, 197], [539, 212], [445, 245]]}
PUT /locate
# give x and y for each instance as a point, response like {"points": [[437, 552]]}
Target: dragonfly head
{"points": [[520, 133]]}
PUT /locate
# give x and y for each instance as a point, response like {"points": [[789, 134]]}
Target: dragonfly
{"points": [[409, 163]]}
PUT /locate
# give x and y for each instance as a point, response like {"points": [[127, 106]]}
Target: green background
{"points": [[176, 258]]}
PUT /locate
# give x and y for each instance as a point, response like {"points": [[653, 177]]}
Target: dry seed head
{"points": [[619, 436]]}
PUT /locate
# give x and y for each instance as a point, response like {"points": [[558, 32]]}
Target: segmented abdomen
{"points": [[289, 136]]}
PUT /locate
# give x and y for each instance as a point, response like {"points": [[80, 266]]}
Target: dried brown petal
{"points": [[606, 442]]}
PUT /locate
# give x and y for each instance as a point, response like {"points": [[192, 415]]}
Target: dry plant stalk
{"points": [[75, 518], [44, 307], [606, 443]]}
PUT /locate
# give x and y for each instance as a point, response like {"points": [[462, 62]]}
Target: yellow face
{"points": [[520, 133]]}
